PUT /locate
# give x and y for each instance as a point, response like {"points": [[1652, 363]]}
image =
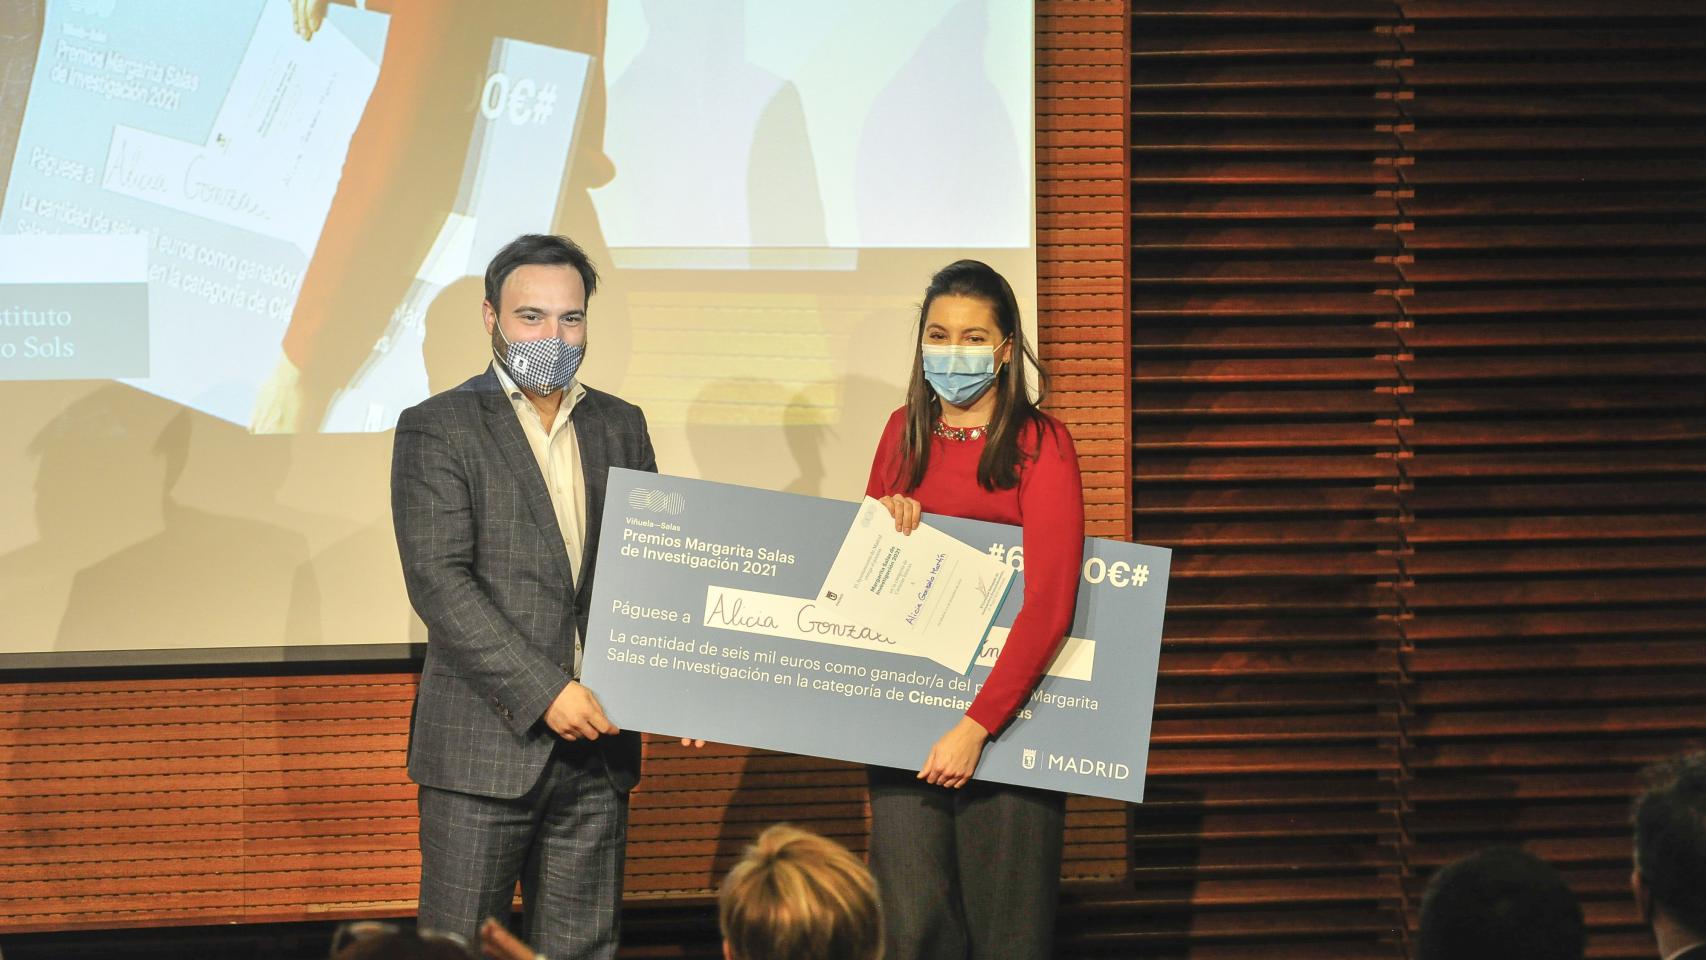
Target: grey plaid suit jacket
{"points": [[487, 570]]}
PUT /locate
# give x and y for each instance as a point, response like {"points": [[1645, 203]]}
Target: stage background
{"points": [[1403, 360]]}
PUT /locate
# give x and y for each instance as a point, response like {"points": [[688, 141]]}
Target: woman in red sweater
{"points": [[972, 869]]}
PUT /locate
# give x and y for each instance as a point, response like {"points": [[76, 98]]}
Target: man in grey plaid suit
{"points": [[497, 487]]}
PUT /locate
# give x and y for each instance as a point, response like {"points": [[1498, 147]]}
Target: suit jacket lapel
{"points": [[595, 468], [518, 457]]}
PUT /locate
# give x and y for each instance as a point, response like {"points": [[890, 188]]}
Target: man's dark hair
{"points": [[541, 249], [1500, 904], [1670, 839]]}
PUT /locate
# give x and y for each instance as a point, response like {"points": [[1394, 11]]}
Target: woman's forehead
{"points": [[956, 312]]}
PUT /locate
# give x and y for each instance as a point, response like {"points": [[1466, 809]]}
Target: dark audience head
{"points": [[1500, 904], [798, 896], [384, 941], [1670, 846]]}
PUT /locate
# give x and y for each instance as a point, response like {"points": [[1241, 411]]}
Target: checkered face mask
{"points": [[542, 366]]}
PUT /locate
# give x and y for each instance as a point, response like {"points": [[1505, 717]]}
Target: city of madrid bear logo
{"points": [[1030, 759]]}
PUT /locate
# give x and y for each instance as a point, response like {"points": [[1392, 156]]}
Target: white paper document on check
{"points": [[935, 596]]}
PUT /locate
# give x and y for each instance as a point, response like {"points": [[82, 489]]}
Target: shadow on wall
{"points": [[753, 180], [776, 436], [121, 563]]}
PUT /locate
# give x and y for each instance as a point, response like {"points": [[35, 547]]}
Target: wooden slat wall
{"points": [[156, 802], [1417, 397], [1082, 326], [1083, 332], [1081, 251], [240, 799]]}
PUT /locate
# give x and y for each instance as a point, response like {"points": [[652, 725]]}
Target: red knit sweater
{"points": [[1048, 504]]}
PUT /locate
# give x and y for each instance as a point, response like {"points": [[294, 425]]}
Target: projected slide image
{"points": [[211, 135], [283, 189], [838, 126], [304, 200], [236, 243]]}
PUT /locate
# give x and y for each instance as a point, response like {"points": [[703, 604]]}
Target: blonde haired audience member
{"points": [[793, 896], [798, 896]]}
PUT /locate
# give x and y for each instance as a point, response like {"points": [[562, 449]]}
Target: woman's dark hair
{"points": [[538, 249], [1015, 412]]}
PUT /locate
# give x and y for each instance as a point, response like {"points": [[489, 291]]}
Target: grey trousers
{"points": [[971, 873], [563, 840]]}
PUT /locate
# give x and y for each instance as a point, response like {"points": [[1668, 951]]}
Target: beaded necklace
{"points": [[958, 433]]}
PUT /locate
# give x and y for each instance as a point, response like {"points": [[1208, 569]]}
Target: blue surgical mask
{"points": [[959, 375], [543, 366]]}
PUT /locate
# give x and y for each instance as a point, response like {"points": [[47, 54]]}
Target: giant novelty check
{"points": [[716, 615]]}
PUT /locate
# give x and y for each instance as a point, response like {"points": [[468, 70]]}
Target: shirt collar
{"points": [[522, 404]]}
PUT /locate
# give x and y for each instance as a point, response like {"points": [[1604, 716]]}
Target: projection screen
{"points": [[238, 237]]}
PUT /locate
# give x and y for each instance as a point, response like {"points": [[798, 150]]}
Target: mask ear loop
{"points": [[498, 328]]}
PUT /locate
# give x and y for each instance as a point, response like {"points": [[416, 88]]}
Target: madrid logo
{"points": [[1089, 767]]}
